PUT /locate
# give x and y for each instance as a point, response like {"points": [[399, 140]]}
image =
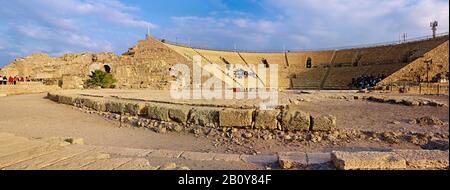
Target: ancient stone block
{"points": [[94, 104], [179, 114], [79, 101], [158, 112], [235, 118], [52, 96], [204, 116], [429, 120], [323, 123], [296, 120], [115, 106], [289, 160], [411, 102], [137, 109], [267, 119], [66, 99], [425, 159], [367, 160]]}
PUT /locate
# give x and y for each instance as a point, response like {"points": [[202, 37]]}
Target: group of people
{"points": [[367, 81], [13, 80]]}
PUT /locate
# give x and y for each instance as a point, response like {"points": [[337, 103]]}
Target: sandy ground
{"points": [[34, 116], [369, 116]]}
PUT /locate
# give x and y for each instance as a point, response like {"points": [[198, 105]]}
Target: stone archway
{"points": [[107, 68], [309, 63], [100, 66]]}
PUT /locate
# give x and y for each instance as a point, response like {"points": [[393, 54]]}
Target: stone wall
{"points": [[72, 82], [278, 119], [145, 66]]}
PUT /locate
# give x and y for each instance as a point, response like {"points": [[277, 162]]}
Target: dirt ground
{"points": [[35, 116]]}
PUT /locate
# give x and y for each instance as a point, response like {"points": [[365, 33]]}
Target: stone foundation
{"points": [[277, 119]]}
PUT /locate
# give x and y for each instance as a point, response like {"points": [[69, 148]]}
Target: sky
{"points": [[57, 27]]}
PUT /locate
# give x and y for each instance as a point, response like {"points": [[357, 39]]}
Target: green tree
{"points": [[102, 79]]}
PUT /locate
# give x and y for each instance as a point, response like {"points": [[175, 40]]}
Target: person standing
{"points": [[10, 80]]}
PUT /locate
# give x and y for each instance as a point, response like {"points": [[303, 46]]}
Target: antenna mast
{"points": [[434, 26]]}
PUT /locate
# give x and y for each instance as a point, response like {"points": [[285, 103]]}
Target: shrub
{"points": [[102, 79]]}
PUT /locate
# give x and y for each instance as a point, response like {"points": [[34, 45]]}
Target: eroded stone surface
{"points": [[425, 159], [324, 123], [204, 116], [367, 160], [289, 160], [296, 120], [236, 118], [267, 119]]}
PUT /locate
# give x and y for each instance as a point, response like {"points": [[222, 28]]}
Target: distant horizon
{"points": [[57, 27]]}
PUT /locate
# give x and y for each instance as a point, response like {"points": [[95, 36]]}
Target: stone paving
{"points": [[20, 153]]}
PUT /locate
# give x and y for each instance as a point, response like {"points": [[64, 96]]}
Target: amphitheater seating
{"points": [[332, 69], [187, 52], [309, 79], [272, 58], [345, 57], [319, 59]]}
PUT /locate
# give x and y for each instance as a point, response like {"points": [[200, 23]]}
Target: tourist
{"points": [[365, 81], [16, 78], [10, 80], [5, 80], [1, 80]]}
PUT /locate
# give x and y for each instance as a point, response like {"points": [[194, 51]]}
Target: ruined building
{"points": [[147, 65]]}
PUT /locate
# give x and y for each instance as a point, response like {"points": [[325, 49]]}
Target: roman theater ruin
{"points": [[381, 106]]}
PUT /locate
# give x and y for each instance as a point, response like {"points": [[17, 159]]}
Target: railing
{"points": [[382, 44]]}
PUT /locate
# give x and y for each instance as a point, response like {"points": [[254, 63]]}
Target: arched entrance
{"points": [[107, 68], [309, 63]]}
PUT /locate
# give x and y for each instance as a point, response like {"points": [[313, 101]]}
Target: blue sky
{"points": [[62, 26]]}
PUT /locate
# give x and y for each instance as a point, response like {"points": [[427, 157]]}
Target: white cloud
{"points": [[112, 10], [56, 26], [300, 24]]}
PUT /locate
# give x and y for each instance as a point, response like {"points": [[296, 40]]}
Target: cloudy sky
{"points": [[61, 26]]}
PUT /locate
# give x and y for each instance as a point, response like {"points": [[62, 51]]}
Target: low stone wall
{"points": [[407, 101], [27, 88], [277, 119]]}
